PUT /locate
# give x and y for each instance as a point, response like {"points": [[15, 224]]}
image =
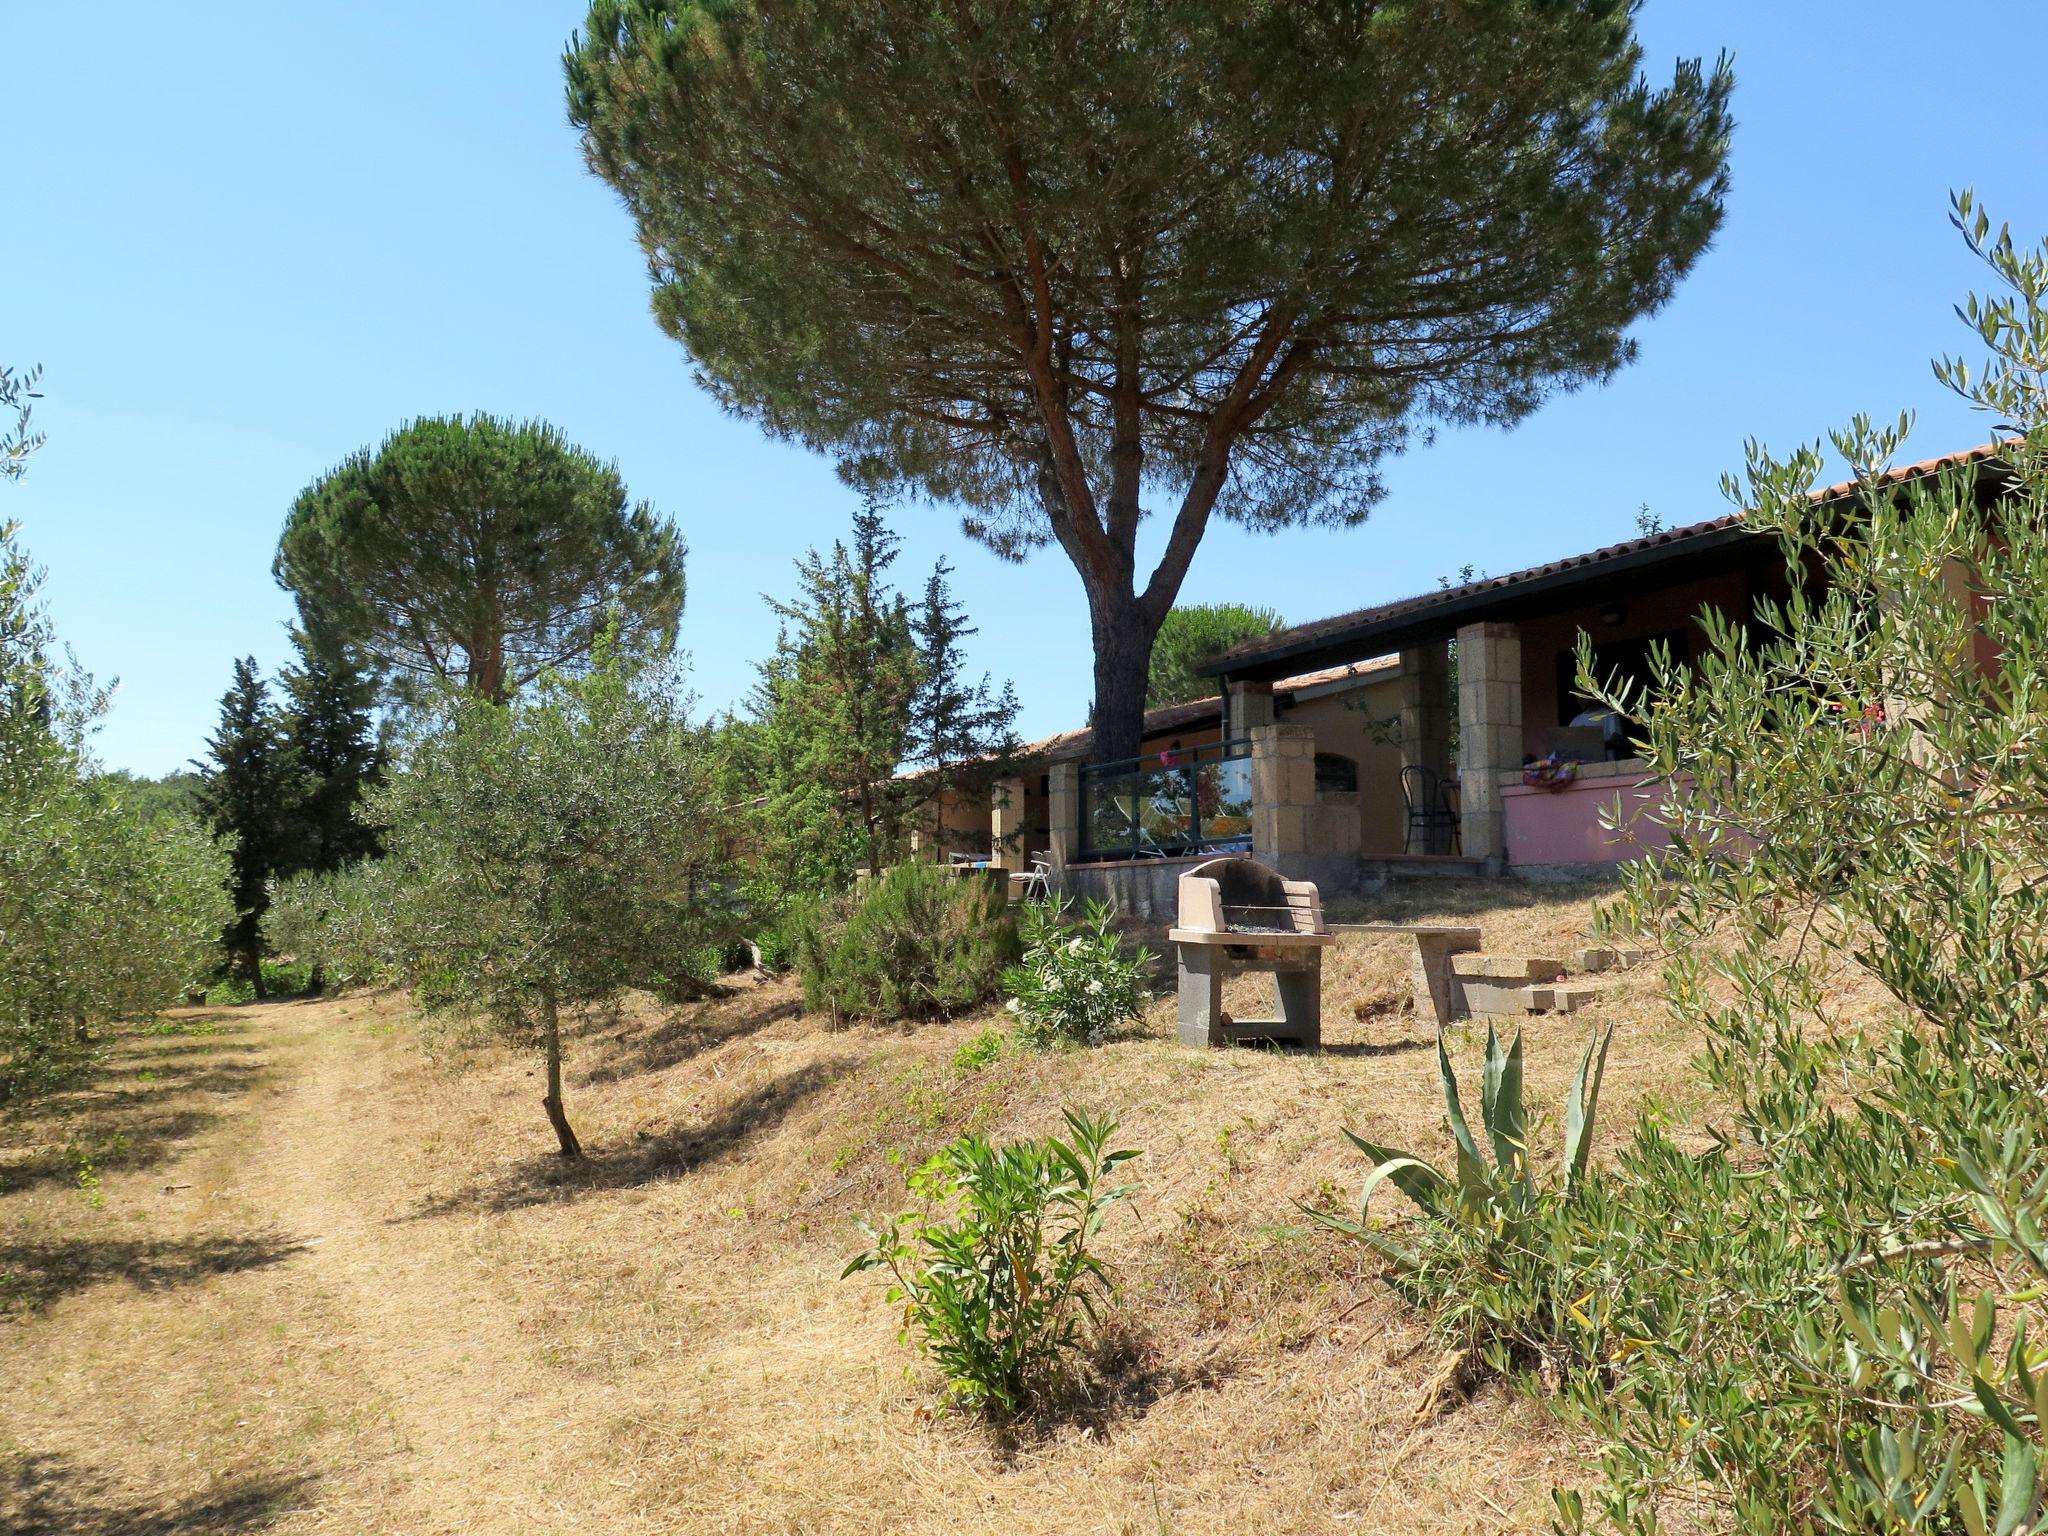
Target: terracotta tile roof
{"points": [[1469, 601]]}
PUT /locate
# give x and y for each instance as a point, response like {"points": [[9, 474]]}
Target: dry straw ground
{"points": [[300, 1268]]}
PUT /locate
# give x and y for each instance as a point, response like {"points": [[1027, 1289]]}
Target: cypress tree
{"points": [[337, 753], [247, 794], [953, 722]]}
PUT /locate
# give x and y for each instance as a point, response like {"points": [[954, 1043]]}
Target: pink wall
{"points": [[1562, 826]]}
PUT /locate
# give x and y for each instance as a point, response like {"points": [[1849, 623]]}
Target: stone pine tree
{"points": [[954, 721], [1062, 266], [833, 710], [478, 553], [248, 795], [1191, 635]]}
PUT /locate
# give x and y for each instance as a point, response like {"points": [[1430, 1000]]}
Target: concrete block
{"points": [[1595, 958], [1558, 999], [1490, 999]]}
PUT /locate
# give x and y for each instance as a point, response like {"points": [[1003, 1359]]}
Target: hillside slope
{"points": [[299, 1267]]}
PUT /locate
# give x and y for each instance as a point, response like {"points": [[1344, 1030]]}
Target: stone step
{"points": [[1483, 999], [1521, 969], [1595, 958]]}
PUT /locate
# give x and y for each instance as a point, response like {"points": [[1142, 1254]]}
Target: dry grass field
{"points": [[300, 1267]]}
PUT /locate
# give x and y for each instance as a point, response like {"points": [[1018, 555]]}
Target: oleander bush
{"points": [[997, 1272], [1077, 983]]}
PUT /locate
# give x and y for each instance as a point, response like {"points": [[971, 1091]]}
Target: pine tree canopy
{"points": [[1052, 263], [479, 552], [1192, 634]]}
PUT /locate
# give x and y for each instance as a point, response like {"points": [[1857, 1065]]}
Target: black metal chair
{"points": [[1423, 794]]}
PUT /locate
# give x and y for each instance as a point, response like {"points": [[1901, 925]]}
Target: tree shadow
{"points": [[681, 1036], [32, 1274], [651, 1157], [1368, 1048], [137, 1123], [48, 1495]]}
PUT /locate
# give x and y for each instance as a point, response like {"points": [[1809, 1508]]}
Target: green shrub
{"points": [[338, 924], [1076, 982], [1826, 1312], [104, 913], [918, 943], [1001, 1295]]}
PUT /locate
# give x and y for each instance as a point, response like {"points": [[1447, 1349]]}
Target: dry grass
{"points": [[337, 1282]]}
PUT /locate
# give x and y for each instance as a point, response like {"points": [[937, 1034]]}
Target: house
{"points": [[1340, 750]]}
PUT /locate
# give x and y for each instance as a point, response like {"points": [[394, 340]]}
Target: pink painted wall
{"points": [[1562, 826]]}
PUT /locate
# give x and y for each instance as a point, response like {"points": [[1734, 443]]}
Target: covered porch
{"points": [[1505, 767]]}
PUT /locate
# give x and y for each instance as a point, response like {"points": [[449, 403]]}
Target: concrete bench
{"points": [[1435, 1000]]}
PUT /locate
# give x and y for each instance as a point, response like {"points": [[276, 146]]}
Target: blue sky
{"points": [[246, 239]]}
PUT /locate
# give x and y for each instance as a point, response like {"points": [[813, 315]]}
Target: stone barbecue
{"points": [[1236, 915]]}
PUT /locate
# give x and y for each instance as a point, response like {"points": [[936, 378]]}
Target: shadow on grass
{"points": [[44, 1495], [1121, 1377], [651, 1157], [32, 1275], [138, 1122], [1370, 1048], [682, 1036]]}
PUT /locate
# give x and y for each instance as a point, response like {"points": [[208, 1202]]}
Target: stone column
{"points": [[1426, 709], [1006, 823], [1426, 706], [1489, 732], [1063, 812], [1248, 703], [1284, 798]]}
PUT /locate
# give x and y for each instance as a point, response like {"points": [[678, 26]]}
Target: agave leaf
{"points": [[1413, 1177], [1467, 1147], [1502, 1110], [1582, 1106]]}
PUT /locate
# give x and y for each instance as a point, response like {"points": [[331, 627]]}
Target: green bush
{"points": [[918, 943], [339, 924], [1076, 982], [104, 913], [1002, 1295]]}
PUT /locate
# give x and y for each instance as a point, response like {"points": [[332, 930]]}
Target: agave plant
{"points": [[1481, 1190]]}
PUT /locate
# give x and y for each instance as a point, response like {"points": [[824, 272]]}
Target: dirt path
{"points": [[256, 1327]]}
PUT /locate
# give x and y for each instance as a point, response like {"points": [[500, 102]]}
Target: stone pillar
{"points": [[1426, 709], [1489, 732], [1006, 823], [1063, 812], [1284, 798], [1248, 704]]}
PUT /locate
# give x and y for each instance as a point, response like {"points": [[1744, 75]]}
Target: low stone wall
{"points": [[1147, 889]]}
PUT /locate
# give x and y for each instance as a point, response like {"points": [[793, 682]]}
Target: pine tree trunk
{"points": [[1123, 664], [552, 1026]]}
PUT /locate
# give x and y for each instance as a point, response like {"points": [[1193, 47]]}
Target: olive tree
{"points": [[1067, 265], [547, 853], [105, 913]]}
